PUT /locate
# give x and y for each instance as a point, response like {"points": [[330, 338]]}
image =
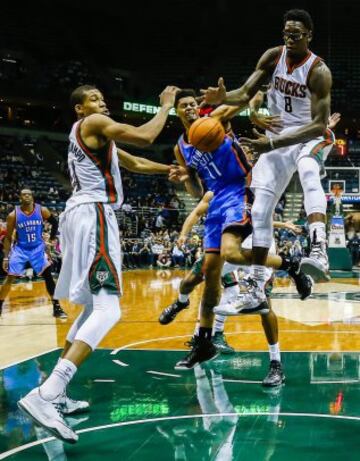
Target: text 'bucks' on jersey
{"points": [[95, 174], [224, 171], [289, 96]]}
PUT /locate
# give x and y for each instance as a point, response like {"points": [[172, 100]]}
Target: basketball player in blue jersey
{"points": [[27, 220], [223, 172], [89, 235], [300, 93]]}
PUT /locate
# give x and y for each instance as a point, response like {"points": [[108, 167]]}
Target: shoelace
{"points": [[316, 249]]}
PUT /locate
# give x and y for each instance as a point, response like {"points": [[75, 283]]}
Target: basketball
{"points": [[206, 134]]}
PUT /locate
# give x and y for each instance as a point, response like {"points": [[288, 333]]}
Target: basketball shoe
{"points": [[170, 312], [46, 414], [252, 301], [275, 377], [304, 283], [68, 406], [57, 310], [221, 344], [202, 350], [316, 265]]}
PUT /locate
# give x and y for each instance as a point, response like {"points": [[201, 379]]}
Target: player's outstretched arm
{"points": [[241, 96], [194, 217], [10, 226], [320, 86], [141, 165], [266, 122], [142, 136]]}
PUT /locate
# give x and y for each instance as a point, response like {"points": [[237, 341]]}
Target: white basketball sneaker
{"points": [[68, 406], [253, 301], [317, 263], [46, 414]]}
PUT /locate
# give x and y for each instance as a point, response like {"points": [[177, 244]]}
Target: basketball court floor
{"points": [[141, 408]]}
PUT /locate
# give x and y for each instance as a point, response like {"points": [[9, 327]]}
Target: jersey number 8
{"points": [[288, 106]]}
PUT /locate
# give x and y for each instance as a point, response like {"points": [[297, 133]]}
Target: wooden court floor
{"points": [[141, 408]]}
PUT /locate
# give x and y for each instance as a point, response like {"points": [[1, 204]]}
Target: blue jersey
{"points": [[223, 171], [29, 228]]}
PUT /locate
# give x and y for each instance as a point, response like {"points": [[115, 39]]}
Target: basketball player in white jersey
{"points": [[300, 84], [90, 272]]}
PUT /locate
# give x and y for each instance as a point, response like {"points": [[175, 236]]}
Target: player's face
{"points": [[296, 38], [93, 103], [26, 197], [187, 110]]}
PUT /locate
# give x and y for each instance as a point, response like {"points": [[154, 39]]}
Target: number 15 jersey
{"points": [[289, 95]]}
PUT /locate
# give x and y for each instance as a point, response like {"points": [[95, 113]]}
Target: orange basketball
{"points": [[206, 134]]}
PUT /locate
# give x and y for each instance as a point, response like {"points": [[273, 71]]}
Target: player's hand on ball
{"points": [[214, 95], [259, 145], [178, 174], [167, 97], [5, 265], [271, 123]]}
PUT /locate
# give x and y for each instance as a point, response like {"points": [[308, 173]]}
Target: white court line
{"points": [[245, 381], [160, 373], [346, 381], [120, 363], [13, 451], [145, 341], [104, 380], [29, 358]]}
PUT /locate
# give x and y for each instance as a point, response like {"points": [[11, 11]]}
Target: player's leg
{"points": [[50, 288], [5, 288], [202, 347], [231, 289], [95, 261], [310, 161], [193, 278], [275, 376]]}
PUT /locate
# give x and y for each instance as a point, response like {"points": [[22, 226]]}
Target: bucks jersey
{"points": [[29, 228], [95, 174], [289, 96]]}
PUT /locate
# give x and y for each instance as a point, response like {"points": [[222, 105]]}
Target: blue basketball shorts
{"points": [[36, 257]]}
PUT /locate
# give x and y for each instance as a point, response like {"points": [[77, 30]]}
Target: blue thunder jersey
{"points": [[223, 171], [29, 228]]}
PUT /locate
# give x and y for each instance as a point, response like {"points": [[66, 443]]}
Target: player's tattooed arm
{"points": [[188, 176], [10, 227], [98, 125], [241, 96], [141, 165]]}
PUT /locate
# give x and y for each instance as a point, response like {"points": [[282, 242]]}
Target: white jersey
{"points": [[289, 95], [95, 174]]}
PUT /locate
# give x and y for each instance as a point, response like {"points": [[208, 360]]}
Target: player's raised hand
{"points": [[271, 123], [167, 97], [333, 120], [259, 145], [178, 174], [214, 95]]}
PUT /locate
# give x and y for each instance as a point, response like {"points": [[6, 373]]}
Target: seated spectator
{"points": [[163, 261], [178, 256]]}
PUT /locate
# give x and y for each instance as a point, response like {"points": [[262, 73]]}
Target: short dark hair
{"points": [[301, 16], [78, 95], [185, 93]]}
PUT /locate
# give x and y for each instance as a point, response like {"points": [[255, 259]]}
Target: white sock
{"points": [[274, 351], [183, 298], [218, 324], [319, 228], [58, 380], [197, 326], [259, 274]]}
